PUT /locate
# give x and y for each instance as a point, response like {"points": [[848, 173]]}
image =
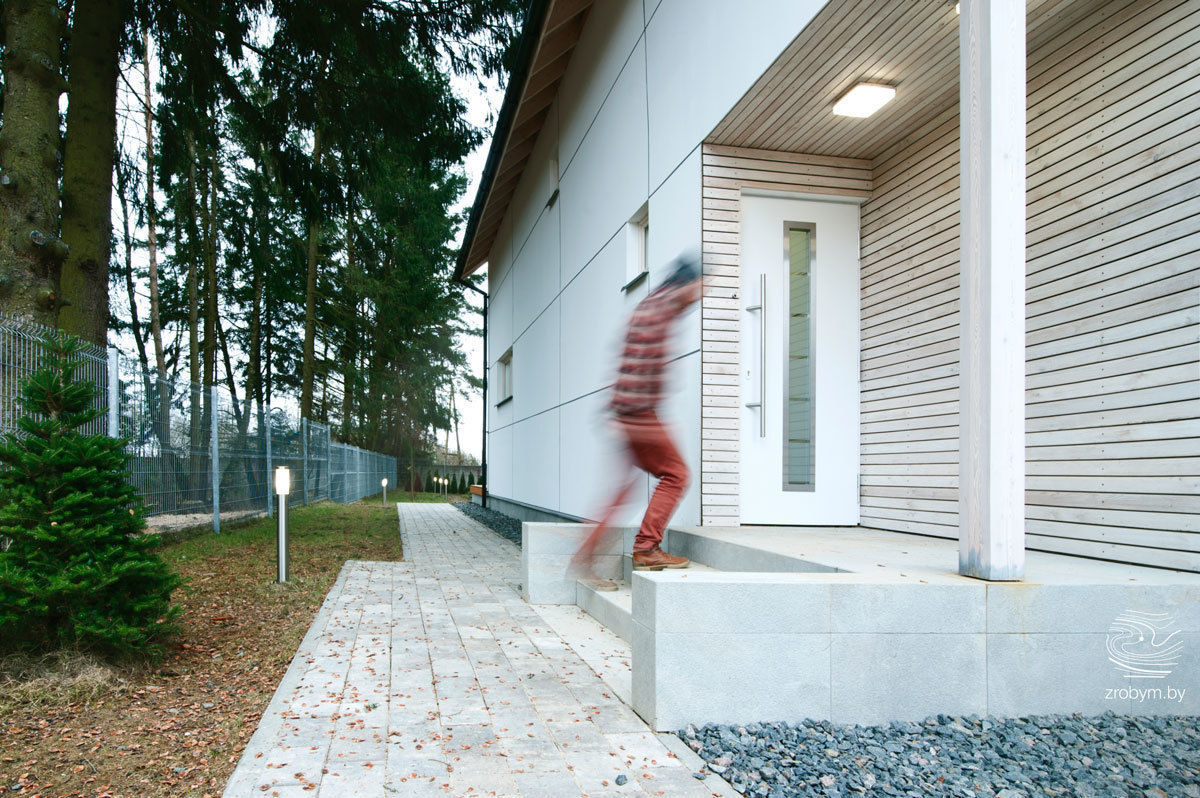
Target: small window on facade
{"points": [[637, 248], [504, 377]]}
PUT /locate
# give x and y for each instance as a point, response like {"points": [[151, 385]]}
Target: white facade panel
{"points": [[592, 462], [535, 461], [500, 460], [500, 257], [593, 319], [537, 184], [500, 338], [535, 278], [675, 229], [535, 368], [612, 31], [605, 183], [675, 215], [703, 55]]}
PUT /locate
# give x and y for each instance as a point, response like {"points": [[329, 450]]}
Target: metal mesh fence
{"points": [[198, 452], [20, 356]]}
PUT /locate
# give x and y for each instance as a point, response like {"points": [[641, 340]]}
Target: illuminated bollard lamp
{"points": [[384, 483], [283, 484]]}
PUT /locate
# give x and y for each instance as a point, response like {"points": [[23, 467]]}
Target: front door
{"points": [[800, 362]]}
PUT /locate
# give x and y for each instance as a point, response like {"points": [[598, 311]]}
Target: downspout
{"points": [[483, 457]]}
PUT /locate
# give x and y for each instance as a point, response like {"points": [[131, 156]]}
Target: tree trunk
{"points": [[257, 268], [208, 183], [196, 428], [88, 153], [454, 419], [152, 220], [31, 253], [163, 395], [193, 287], [134, 322], [350, 341], [307, 369], [209, 199]]}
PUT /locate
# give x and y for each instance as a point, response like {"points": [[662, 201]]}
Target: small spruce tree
{"points": [[77, 573]]}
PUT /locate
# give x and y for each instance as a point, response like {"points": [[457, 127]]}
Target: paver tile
{"points": [[431, 677]]}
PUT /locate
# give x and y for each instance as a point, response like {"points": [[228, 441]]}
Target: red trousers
{"points": [[649, 447]]}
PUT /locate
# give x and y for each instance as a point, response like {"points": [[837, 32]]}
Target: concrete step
{"points": [[614, 608], [771, 550]]}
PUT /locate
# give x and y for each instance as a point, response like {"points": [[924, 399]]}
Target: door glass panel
{"points": [[798, 409]]}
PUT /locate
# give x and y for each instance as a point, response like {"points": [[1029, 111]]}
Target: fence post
{"points": [[266, 432], [215, 442], [114, 392], [304, 456]]}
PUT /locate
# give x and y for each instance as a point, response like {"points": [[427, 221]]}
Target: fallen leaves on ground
{"points": [[178, 729]]}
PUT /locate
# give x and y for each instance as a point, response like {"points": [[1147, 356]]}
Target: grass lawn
{"points": [[425, 496], [78, 728]]}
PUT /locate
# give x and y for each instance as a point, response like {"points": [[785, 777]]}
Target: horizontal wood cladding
{"points": [[1113, 292], [727, 171]]}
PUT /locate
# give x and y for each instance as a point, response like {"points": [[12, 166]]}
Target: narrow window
{"points": [[504, 377], [637, 248], [798, 423]]}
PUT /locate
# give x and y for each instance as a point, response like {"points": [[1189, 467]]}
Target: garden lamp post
{"points": [[384, 483], [283, 484]]}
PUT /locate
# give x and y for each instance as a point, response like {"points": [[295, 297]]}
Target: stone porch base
{"points": [[863, 626]]}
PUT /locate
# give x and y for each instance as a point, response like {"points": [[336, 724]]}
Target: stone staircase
{"points": [[614, 608]]}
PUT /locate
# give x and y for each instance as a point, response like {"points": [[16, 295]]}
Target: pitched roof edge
{"points": [[535, 18]]}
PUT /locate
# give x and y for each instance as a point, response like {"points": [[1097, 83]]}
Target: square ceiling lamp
{"points": [[864, 99]]}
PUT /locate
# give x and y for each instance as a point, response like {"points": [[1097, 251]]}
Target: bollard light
{"points": [[283, 481], [384, 483], [283, 484]]}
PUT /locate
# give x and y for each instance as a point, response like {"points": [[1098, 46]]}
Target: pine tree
{"points": [[77, 573]]}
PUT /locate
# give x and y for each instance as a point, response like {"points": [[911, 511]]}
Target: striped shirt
{"points": [[639, 385]]}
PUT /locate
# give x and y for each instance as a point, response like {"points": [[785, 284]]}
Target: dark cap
{"points": [[685, 270]]}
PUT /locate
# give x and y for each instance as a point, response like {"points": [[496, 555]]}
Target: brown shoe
{"points": [[656, 559]]}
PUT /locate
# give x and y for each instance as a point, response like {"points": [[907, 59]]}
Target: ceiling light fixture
{"points": [[864, 99]]}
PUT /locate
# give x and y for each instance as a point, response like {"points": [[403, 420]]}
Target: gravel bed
{"points": [[1066, 755], [503, 525]]}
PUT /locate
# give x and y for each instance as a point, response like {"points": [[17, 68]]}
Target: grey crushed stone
{"points": [[1067, 755], [503, 525]]}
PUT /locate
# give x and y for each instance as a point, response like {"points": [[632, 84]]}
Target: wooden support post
{"points": [[992, 262]]}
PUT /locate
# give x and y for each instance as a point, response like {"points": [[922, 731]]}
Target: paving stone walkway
{"points": [[433, 677]]}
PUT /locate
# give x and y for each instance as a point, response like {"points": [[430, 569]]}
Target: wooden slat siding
{"points": [[726, 171], [1113, 325]]}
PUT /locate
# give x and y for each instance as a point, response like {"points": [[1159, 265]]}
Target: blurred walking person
{"points": [[636, 397]]}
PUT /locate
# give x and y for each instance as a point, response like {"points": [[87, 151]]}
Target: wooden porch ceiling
{"points": [[910, 45], [556, 41]]}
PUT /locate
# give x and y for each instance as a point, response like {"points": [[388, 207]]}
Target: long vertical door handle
{"points": [[762, 356], [761, 307]]}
